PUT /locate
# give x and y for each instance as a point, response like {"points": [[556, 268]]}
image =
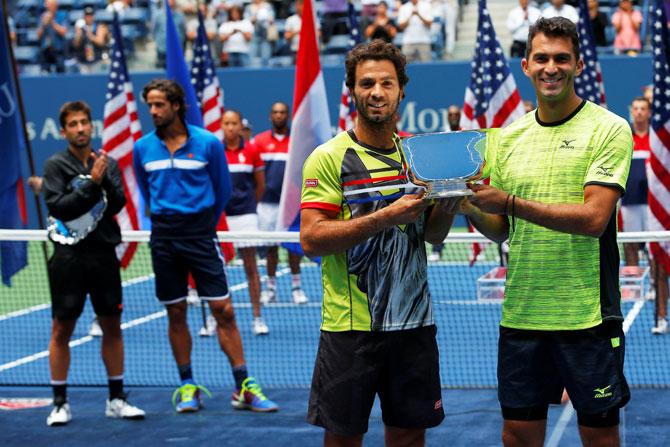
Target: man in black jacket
{"points": [[83, 191]]}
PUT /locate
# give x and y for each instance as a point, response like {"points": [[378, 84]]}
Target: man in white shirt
{"points": [[518, 22], [414, 20], [558, 8], [236, 34]]}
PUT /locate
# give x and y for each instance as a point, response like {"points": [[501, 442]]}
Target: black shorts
{"points": [[535, 366], [351, 367], [74, 273], [172, 261]]}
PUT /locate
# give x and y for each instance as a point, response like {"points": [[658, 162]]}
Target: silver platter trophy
{"points": [[442, 163], [72, 231]]}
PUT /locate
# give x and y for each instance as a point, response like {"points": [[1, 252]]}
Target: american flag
{"points": [[121, 128], [659, 161], [589, 85], [206, 83], [347, 107], [491, 99], [210, 98]]}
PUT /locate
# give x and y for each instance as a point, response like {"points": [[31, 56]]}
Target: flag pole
{"points": [[19, 97]]}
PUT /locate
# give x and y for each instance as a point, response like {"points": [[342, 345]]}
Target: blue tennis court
{"points": [[282, 362]]}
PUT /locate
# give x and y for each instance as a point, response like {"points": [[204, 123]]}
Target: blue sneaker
{"points": [[251, 397], [186, 398]]}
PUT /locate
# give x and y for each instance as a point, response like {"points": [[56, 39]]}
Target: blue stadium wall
{"points": [[432, 88]]}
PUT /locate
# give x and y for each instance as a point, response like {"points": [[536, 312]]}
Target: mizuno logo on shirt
{"points": [[604, 170], [566, 144]]}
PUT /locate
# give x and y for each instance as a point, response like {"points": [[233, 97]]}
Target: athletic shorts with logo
{"points": [[402, 367], [535, 366], [75, 272], [172, 261]]}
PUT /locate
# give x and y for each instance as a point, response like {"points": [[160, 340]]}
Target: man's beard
{"points": [[75, 144], [377, 119]]}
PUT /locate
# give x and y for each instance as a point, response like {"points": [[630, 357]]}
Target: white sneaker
{"points": [[192, 297], [299, 296], [60, 415], [433, 257], [268, 296], [661, 327], [95, 330], [120, 408], [209, 328], [259, 327]]}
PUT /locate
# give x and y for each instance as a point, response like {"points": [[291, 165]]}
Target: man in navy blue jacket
{"points": [[182, 173]]}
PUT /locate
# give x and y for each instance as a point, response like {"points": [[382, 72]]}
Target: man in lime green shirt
{"points": [[378, 331], [556, 176]]}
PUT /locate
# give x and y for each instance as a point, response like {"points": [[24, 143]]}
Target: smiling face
{"points": [[377, 92], [551, 67], [77, 130]]}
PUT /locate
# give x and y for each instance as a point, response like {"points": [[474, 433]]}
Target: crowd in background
{"points": [[74, 35]]}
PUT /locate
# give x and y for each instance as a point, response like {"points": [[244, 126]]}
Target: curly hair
{"points": [[377, 50], [173, 92]]}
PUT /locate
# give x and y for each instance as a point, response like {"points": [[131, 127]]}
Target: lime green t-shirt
{"points": [[382, 283], [561, 281]]}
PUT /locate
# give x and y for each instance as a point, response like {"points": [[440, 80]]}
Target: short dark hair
{"points": [[173, 92], [71, 107], [377, 50], [235, 111], [554, 27], [280, 103], [643, 99]]}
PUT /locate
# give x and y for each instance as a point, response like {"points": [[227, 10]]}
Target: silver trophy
{"points": [[72, 231], [442, 163]]}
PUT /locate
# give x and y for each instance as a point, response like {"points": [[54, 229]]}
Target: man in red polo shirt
{"points": [[247, 173], [273, 147]]}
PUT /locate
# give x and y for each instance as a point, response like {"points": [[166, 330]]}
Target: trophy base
{"points": [[447, 194], [444, 189]]}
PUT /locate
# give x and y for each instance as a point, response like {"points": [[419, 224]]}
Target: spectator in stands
{"points": [[598, 24], [51, 34], [558, 8], [159, 30], [236, 33], [334, 19], [451, 14], [120, 6], [414, 20], [247, 173], [89, 42], [519, 21], [261, 15], [88, 266], [368, 12], [273, 147], [626, 21], [383, 27], [292, 28], [634, 208], [182, 175], [211, 29]]}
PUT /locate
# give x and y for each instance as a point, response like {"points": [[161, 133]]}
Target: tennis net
{"points": [[467, 304]]}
